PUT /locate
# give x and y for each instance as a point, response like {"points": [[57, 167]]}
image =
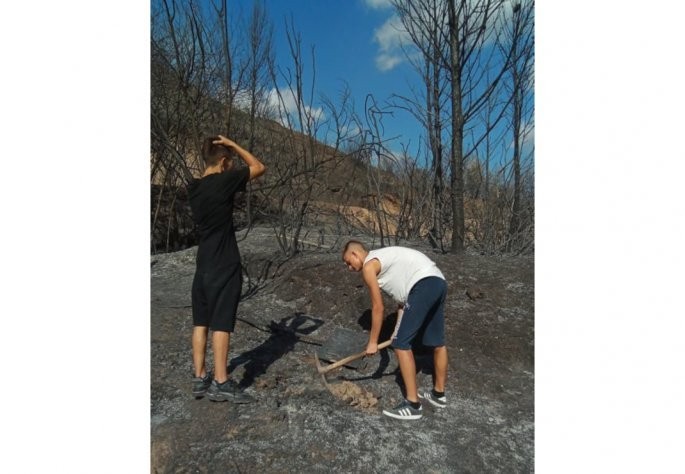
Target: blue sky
{"points": [[354, 45], [357, 42]]}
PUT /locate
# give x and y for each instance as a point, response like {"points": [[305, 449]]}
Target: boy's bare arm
{"points": [[369, 273], [256, 167]]}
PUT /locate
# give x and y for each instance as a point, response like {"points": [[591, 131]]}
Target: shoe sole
{"points": [[228, 398], [402, 417], [436, 404], [199, 393]]}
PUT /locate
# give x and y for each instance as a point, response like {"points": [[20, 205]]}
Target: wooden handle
{"points": [[348, 359]]}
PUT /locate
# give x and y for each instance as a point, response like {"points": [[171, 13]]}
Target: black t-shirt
{"points": [[211, 200]]}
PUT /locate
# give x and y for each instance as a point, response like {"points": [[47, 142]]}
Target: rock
{"points": [[474, 293]]}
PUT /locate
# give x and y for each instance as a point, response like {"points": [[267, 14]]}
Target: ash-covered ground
{"points": [[300, 425]]}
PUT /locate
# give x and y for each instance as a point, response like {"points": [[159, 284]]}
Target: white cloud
{"points": [[316, 114], [391, 37], [385, 62], [242, 99], [288, 107], [378, 4], [528, 134], [350, 130], [274, 102]]}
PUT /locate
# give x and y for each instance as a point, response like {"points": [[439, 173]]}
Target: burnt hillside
{"points": [[335, 188], [300, 425]]}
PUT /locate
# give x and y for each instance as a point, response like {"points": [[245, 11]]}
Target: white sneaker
{"points": [[440, 402], [404, 411]]}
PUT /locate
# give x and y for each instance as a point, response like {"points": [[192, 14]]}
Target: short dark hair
{"points": [[353, 243], [212, 153]]}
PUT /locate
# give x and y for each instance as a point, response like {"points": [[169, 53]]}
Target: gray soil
{"points": [[300, 424]]}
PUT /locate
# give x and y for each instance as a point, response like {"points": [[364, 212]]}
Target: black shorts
{"points": [[215, 297], [424, 315]]}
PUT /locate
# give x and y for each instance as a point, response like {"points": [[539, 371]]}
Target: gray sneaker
{"points": [[201, 384], [439, 402], [404, 411], [228, 391]]}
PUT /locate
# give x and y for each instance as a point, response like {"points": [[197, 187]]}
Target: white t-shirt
{"points": [[401, 269]]}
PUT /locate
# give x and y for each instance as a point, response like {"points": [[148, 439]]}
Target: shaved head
{"points": [[354, 245], [353, 255]]}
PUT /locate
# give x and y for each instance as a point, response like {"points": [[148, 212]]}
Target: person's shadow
{"points": [[387, 329], [284, 335], [423, 356]]}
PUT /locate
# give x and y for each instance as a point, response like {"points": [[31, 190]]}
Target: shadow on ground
{"points": [[284, 336]]}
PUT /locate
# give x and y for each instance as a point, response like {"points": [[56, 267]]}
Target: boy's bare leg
{"points": [[199, 342], [405, 357], [440, 363], [220, 341]]}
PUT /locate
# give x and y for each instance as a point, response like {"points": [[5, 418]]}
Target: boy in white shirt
{"points": [[419, 287]]}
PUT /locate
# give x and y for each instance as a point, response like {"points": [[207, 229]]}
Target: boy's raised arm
{"points": [[256, 167]]}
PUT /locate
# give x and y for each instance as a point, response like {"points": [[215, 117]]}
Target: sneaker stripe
{"points": [[439, 402], [404, 411]]}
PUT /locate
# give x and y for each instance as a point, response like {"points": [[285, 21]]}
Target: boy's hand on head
{"points": [[224, 141]]}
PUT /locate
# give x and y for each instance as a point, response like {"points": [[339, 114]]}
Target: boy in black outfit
{"points": [[218, 277]]}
